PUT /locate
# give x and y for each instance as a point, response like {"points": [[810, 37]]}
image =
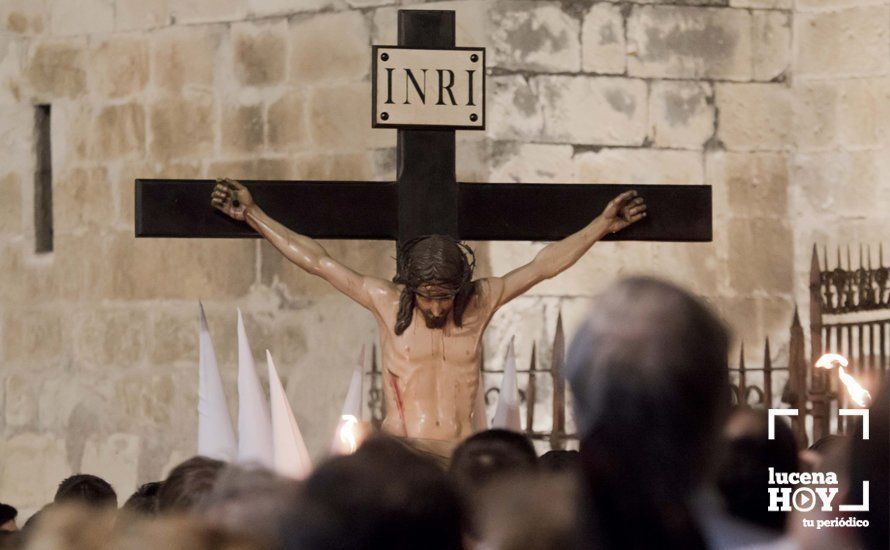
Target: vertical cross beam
{"points": [[428, 191]]}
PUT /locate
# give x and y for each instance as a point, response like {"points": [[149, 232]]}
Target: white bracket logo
{"points": [[771, 434], [857, 412], [773, 413]]}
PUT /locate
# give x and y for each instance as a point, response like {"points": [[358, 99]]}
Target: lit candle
{"points": [[857, 393]]}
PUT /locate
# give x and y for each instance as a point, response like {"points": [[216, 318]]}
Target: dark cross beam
{"points": [[426, 197]]}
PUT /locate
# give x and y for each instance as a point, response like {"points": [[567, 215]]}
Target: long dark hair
{"points": [[434, 260]]}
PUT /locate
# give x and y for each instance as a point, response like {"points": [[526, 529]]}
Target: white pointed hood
{"points": [[216, 437], [254, 421], [290, 453]]}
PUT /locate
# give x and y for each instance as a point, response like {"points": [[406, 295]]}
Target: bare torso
{"points": [[431, 376]]}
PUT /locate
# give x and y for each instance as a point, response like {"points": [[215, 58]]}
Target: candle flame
{"points": [[857, 393], [830, 360], [347, 434]]}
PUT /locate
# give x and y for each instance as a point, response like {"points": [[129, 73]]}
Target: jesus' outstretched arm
{"points": [[233, 199], [556, 257]]}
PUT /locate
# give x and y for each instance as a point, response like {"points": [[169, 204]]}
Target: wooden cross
{"points": [[426, 197]]}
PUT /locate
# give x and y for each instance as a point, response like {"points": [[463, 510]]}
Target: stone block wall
{"points": [[840, 167], [782, 107]]}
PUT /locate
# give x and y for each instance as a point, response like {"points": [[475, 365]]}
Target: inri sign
{"points": [[421, 88]]}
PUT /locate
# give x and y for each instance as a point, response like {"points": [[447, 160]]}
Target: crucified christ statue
{"points": [[432, 315]]}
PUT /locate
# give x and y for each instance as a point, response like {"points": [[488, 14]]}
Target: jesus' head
{"points": [[437, 271]]}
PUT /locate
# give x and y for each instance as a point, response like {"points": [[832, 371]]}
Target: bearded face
{"points": [[437, 274], [435, 304]]}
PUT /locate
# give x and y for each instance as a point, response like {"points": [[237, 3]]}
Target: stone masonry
{"points": [[783, 107]]}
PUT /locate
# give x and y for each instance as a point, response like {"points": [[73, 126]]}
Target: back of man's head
{"points": [[481, 461], [145, 500], [250, 501], [188, 483], [490, 454], [649, 375], [86, 489], [648, 370], [385, 495]]}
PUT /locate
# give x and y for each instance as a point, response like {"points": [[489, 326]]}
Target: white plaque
{"points": [[421, 88]]}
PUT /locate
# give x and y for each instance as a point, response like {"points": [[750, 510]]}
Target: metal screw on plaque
{"points": [[384, 116], [474, 58], [474, 117], [384, 57]]}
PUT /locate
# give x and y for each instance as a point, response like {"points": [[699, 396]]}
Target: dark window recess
{"points": [[43, 182]]}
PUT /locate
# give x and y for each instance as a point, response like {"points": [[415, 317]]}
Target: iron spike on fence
{"points": [[796, 387], [815, 268], [815, 305], [558, 433], [767, 376], [531, 392], [743, 390]]}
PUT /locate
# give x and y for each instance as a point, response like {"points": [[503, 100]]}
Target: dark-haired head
{"points": [[437, 271], [490, 454], [188, 483], [385, 495], [251, 501], [145, 500], [484, 460], [87, 490]]}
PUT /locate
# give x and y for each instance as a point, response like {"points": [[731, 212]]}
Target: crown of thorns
{"points": [[401, 277]]}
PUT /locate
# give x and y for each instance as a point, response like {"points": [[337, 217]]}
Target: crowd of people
{"points": [[664, 461]]}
